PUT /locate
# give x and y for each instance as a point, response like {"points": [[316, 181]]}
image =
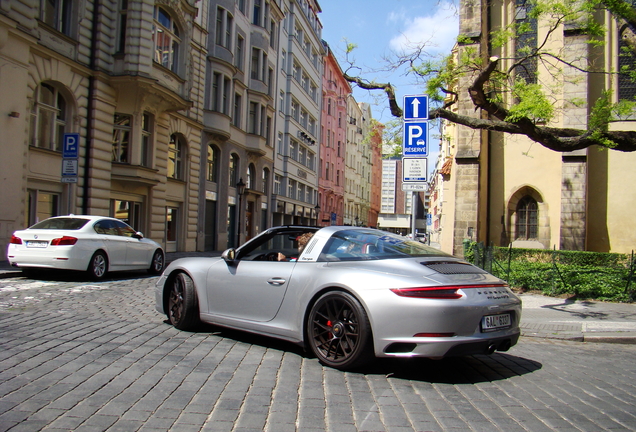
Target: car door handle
{"points": [[276, 281]]}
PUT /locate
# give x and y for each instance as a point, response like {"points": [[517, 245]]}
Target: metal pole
{"points": [[413, 214]]}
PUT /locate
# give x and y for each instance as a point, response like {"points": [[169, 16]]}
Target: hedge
{"points": [[583, 275]]}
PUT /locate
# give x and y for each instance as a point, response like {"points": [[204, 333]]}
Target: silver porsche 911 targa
{"points": [[348, 294]]}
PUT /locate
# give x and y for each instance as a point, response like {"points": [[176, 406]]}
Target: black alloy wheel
{"points": [[338, 330], [182, 308]]}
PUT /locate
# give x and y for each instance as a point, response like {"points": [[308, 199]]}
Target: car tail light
{"points": [[64, 241], [440, 292], [15, 240], [429, 292]]}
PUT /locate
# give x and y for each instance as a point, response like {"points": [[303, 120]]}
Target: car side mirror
{"points": [[138, 235], [229, 255]]}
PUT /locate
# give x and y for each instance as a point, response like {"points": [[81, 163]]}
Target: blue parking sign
{"points": [[415, 140], [70, 147]]}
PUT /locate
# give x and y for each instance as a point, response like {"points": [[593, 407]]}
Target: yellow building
{"points": [[508, 189]]}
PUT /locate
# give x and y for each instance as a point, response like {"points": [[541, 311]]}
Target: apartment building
{"points": [[335, 93], [297, 126], [129, 79]]}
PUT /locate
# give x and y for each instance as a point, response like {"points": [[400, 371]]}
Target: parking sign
{"points": [[70, 148], [415, 140]]}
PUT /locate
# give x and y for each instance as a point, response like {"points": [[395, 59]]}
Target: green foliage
{"points": [[533, 103], [585, 275]]}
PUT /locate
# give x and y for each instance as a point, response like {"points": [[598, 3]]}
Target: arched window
{"points": [[213, 163], [176, 156], [234, 168], [250, 177], [48, 118], [527, 219], [166, 39], [626, 62]]}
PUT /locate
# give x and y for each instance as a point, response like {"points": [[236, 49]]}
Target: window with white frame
{"points": [[277, 184], [122, 131], [176, 157], [58, 14], [48, 118], [240, 52], [166, 39]]}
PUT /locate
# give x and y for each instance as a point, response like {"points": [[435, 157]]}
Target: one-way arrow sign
{"points": [[415, 107]]}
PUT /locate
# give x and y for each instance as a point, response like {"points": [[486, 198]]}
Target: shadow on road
{"points": [[452, 370]]}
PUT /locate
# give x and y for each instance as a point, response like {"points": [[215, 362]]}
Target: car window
{"points": [[357, 245], [61, 224], [285, 242], [106, 227], [124, 229]]}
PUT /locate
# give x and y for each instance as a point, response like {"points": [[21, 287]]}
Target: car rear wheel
{"points": [[98, 266], [338, 330], [157, 263], [182, 309]]}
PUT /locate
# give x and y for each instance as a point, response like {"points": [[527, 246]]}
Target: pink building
{"points": [[376, 173], [331, 181]]}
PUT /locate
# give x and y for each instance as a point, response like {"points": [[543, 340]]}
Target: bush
{"points": [[585, 275]]}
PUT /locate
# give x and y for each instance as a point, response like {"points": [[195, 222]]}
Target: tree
{"points": [[514, 103]]}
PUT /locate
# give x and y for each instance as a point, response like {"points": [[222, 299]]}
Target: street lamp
{"points": [[317, 209], [240, 189]]}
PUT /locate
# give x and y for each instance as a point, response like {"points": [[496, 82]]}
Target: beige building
{"points": [[507, 189], [129, 79]]}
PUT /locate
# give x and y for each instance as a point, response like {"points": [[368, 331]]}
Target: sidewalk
{"points": [[543, 317]]}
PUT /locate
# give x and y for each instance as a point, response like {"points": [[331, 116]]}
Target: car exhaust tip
{"points": [[504, 346], [491, 348]]}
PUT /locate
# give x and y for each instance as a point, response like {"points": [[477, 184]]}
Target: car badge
{"points": [[35, 237]]}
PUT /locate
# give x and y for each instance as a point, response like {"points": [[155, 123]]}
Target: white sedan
{"points": [[94, 244]]}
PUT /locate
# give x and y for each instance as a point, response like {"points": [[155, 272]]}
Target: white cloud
{"points": [[438, 32]]}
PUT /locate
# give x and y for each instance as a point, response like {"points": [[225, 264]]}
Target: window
{"points": [[121, 138], [224, 23], [265, 188], [295, 107], [172, 219], [527, 219], [241, 6], [250, 177], [253, 118], [236, 119], [240, 48], [127, 211], [146, 140], [256, 18], [213, 163], [176, 150], [233, 171], [57, 14], [255, 67], [166, 40], [277, 182], [626, 64], [48, 118], [42, 205], [122, 24], [526, 42]]}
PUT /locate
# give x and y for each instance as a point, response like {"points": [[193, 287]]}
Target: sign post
{"points": [[415, 149]]}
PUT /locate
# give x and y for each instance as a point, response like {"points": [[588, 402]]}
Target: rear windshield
{"points": [[358, 245], [61, 224]]}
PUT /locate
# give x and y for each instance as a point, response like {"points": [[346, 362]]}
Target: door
{"points": [[137, 252], [115, 244]]}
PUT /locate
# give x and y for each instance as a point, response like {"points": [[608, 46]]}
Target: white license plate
{"points": [[37, 244], [495, 322]]}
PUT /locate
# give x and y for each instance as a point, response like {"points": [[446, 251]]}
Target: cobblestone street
{"points": [[86, 356]]}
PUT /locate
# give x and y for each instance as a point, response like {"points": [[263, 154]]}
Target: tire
{"points": [[98, 266], [157, 263], [182, 310], [339, 332]]}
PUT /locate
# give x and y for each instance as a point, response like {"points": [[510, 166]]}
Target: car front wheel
{"points": [[338, 331], [182, 309], [98, 266]]}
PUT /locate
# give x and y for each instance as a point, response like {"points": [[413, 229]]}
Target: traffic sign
{"points": [[415, 140], [414, 169], [70, 148], [415, 107]]}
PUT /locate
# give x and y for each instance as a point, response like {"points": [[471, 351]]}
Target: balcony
{"points": [[256, 144], [133, 174]]}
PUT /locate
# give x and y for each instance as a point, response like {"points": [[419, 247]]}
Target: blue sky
{"points": [[380, 28]]}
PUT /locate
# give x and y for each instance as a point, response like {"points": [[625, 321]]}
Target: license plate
{"points": [[495, 322], [37, 244]]}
